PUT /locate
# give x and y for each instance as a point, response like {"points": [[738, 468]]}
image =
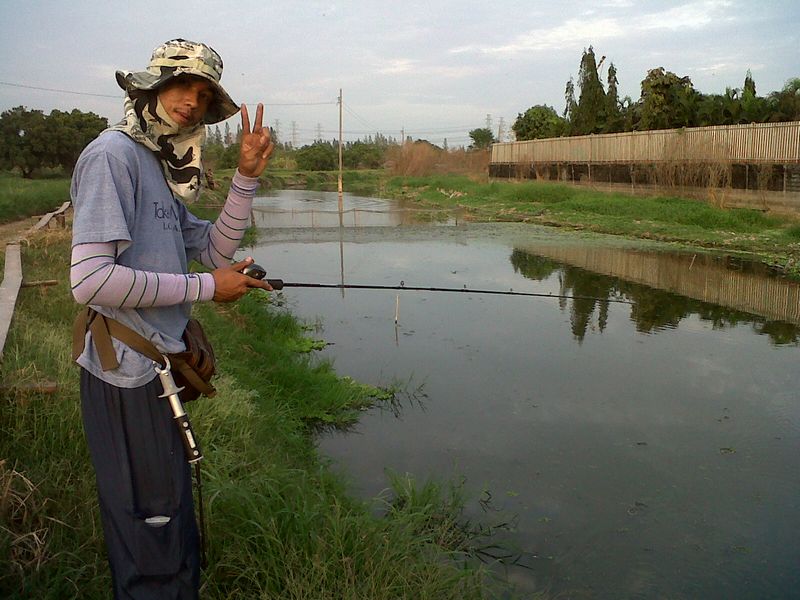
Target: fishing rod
{"points": [[258, 272]]}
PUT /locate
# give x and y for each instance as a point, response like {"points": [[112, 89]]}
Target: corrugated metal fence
{"points": [[776, 143]]}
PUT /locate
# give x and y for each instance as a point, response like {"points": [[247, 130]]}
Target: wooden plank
{"points": [[39, 283], [9, 290], [44, 387], [45, 220]]}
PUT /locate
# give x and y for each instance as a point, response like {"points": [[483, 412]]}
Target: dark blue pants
{"points": [[141, 473]]}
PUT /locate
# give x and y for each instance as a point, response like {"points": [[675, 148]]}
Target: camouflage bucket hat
{"points": [[182, 57]]}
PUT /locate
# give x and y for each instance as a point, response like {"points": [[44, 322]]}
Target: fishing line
{"points": [[279, 284], [257, 272]]}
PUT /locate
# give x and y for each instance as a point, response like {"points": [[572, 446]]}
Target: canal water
{"points": [[642, 450]]}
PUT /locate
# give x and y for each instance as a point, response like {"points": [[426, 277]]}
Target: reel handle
{"points": [[258, 272]]}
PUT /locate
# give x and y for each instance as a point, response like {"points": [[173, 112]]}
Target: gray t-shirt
{"points": [[119, 194]]}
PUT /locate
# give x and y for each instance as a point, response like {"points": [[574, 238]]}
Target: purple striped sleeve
{"points": [[226, 235], [97, 279]]}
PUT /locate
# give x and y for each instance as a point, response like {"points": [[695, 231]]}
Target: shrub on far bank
{"points": [[421, 158]]}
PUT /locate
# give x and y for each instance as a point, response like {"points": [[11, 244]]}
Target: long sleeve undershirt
{"points": [[97, 279]]}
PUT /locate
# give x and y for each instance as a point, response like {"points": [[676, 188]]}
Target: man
{"points": [[132, 240]]}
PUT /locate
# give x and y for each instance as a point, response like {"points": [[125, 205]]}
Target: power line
{"points": [[117, 96], [357, 116], [432, 132], [291, 103], [44, 89]]}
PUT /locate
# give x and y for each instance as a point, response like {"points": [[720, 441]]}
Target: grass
{"points": [[772, 239], [281, 524], [354, 181], [21, 198]]}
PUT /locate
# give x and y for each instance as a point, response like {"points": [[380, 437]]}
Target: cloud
{"points": [[686, 16], [562, 36], [716, 68], [725, 67], [399, 66], [577, 31]]}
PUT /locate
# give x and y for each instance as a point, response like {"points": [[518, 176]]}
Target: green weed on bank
{"points": [[281, 524], [771, 238], [21, 198]]}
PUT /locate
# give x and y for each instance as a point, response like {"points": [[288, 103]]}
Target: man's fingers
{"points": [[257, 125], [259, 283], [239, 266], [245, 120]]}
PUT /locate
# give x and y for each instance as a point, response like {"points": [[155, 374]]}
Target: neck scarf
{"points": [[178, 148]]}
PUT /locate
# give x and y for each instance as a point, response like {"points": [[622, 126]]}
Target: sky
{"points": [[430, 70]]}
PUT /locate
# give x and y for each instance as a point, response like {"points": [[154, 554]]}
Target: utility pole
{"points": [[501, 130], [403, 136], [278, 130], [294, 134], [340, 156], [319, 132], [489, 122]]}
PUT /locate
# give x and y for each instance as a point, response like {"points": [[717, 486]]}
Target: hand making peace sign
{"points": [[256, 146]]}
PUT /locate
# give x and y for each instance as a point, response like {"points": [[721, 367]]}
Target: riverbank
{"points": [[773, 239], [281, 525], [768, 238]]}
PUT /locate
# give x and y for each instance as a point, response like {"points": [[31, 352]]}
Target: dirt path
{"points": [[11, 231]]}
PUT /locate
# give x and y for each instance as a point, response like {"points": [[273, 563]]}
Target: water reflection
{"points": [[646, 450], [314, 209], [730, 282]]}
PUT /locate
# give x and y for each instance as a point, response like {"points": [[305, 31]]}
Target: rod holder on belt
{"points": [[171, 391]]}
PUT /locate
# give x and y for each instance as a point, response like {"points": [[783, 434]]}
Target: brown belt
{"points": [[104, 328]]}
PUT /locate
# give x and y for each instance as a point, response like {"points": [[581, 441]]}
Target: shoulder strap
{"points": [[103, 329]]}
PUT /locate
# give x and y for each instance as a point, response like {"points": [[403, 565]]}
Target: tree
{"points": [[589, 115], [630, 113], [614, 121], [667, 101], [362, 155], [571, 105], [23, 140], [538, 122], [719, 109], [230, 157], [749, 84], [213, 136], [754, 108], [785, 104], [319, 156], [29, 140], [69, 134], [482, 138]]}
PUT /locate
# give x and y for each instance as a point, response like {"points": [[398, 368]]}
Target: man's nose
{"points": [[191, 98]]}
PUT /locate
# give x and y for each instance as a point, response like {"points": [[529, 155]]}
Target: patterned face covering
{"points": [[178, 148]]}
